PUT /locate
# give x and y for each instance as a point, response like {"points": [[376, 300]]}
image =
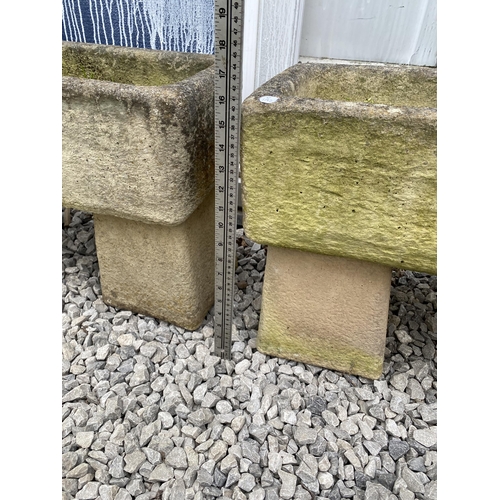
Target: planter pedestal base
{"points": [[166, 272], [324, 310]]}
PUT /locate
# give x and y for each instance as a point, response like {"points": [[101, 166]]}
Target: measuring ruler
{"points": [[228, 62]]}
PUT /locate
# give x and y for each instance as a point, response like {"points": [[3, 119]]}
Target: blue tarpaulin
{"points": [[179, 25]]}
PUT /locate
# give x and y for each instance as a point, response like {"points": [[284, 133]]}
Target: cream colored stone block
{"points": [[162, 271], [325, 310]]}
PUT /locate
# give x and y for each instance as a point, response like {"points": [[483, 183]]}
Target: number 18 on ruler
{"points": [[228, 61]]}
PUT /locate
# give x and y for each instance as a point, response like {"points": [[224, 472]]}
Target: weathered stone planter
{"points": [[138, 149], [339, 160]]}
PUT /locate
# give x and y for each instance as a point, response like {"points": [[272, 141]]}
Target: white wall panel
{"points": [[250, 47], [279, 37], [271, 39], [425, 48], [393, 31]]}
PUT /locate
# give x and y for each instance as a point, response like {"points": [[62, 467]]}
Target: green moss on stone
{"points": [[348, 186], [129, 66], [374, 85], [275, 341]]}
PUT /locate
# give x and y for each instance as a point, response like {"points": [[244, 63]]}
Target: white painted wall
{"points": [[271, 40], [393, 31], [278, 32]]}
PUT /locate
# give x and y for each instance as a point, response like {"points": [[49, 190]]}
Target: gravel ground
{"points": [[149, 413]]}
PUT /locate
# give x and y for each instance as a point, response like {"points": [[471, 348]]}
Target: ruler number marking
{"points": [[228, 30]]}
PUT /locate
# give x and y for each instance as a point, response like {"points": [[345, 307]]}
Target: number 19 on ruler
{"points": [[228, 22]]}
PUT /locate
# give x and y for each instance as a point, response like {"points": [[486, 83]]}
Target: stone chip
{"points": [[305, 435], [427, 437], [133, 461], [288, 485]]}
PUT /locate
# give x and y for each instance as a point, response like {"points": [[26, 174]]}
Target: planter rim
{"points": [[156, 54], [75, 86], [342, 109], [91, 85], [284, 87]]}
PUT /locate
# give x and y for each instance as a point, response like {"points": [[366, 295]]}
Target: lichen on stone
{"points": [[128, 65]]}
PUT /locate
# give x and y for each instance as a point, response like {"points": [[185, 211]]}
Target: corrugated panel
{"points": [[279, 37], [271, 40], [393, 31]]}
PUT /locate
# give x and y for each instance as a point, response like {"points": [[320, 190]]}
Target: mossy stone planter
{"points": [[342, 161], [137, 131], [339, 180], [138, 152]]}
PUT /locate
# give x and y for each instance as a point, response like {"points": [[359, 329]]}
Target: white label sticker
{"points": [[268, 99]]}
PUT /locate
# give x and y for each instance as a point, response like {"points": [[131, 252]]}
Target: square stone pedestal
{"points": [[325, 310], [162, 271]]}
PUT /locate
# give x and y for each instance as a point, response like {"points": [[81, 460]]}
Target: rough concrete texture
{"points": [[137, 131], [324, 310], [344, 163], [166, 272]]}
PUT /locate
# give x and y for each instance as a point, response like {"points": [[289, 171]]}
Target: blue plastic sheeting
{"points": [[178, 25]]}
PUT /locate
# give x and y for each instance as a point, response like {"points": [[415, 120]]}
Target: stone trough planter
{"points": [[138, 152], [339, 179]]}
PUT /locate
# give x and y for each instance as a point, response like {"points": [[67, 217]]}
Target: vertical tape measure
{"points": [[228, 63]]}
